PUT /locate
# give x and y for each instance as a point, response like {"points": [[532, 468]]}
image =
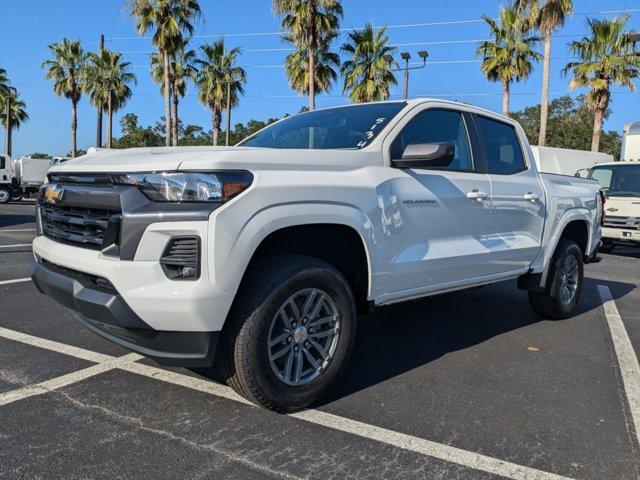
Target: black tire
{"points": [[548, 304], [607, 247], [243, 354], [5, 195]]}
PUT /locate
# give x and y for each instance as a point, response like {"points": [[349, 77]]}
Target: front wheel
{"points": [[564, 284], [290, 333], [5, 195], [607, 247]]}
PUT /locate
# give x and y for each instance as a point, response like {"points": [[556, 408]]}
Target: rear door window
{"points": [[501, 147]]}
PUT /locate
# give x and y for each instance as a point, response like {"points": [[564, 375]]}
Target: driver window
{"points": [[2, 163], [431, 126]]}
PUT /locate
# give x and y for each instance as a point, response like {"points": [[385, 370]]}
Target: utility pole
{"points": [[228, 112], [99, 121], [406, 56], [7, 137]]}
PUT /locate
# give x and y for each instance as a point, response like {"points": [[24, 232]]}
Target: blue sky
{"points": [[28, 26]]}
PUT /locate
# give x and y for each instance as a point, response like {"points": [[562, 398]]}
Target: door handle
{"points": [[532, 197], [476, 194]]}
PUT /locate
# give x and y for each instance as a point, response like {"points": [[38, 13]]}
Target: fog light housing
{"points": [[181, 258]]}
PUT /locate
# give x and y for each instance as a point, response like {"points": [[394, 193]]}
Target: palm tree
{"points": [[14, 114], [181, 69], [217, 70], [509, 55], [546, 18], [606, 58], [310, 25], [296, 66], [107, 81], [171, 19], [4, 82], [65, 69], [368, 72]]}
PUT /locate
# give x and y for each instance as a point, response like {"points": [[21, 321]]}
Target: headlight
{"points": [[188, 186]]}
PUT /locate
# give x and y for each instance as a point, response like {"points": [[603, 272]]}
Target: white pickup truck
{"points": [[260, 256]]}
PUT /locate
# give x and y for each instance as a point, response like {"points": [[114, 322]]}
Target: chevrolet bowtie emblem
{"points": [[53, 193], [612, 209]]}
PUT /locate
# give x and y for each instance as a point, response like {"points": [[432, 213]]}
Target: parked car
{"points": [[262, 255], [620, 182]]}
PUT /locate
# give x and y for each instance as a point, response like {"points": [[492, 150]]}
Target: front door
{"points": [[442, 214]]}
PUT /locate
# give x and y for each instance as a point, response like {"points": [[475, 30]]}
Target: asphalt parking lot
{"points": [[466, 385]]}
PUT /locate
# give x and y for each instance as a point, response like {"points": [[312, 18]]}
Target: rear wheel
{"points": [[564, 284], [5, 195], [290, 333]]}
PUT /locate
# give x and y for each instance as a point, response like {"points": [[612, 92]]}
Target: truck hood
{"points": [[623, 207], [214, 158]]}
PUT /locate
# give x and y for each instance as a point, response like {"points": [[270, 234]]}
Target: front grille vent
{"points": [[181, 258], [628, 223], [90, 228]]}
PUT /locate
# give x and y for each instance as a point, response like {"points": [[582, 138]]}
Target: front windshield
{"points": [[618, 180], [352, 127]]}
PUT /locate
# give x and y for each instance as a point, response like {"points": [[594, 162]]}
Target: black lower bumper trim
{"points": [[106, 313]]}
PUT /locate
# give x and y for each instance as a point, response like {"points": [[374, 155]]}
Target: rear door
{"points": [[517, 197], [443, 214]]}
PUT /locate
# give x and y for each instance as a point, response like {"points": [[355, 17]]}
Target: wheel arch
{"points": [[289, 229]]}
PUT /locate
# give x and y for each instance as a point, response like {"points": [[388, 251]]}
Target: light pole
{"points": [[228, 112], [406, 56]]}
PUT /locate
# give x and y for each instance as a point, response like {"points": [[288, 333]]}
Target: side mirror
{"points": [[427, 155]]}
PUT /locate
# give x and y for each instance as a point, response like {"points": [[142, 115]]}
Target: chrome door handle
{"points": [[476, 194], [532, 197]]}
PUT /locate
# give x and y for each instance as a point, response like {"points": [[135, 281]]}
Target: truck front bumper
{"points": [[621, 235], [95, 303]]}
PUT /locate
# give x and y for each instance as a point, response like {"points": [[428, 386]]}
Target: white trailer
{"points": [[631, 143], [564, 161]]}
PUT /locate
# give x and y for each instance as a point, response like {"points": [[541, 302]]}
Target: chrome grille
{"points": [[90, 228], [628, 223]]}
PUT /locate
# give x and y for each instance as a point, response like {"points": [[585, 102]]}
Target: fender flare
{"points": [[238, 249], [538, 281]]}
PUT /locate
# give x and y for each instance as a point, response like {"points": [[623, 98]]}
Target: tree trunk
{"points": [[109, 122], [174, 132], [9, 139], [506, 91], [216, 120], [598, 120], [167, 100], [312, 80], [99, 128], [74, 129], [544, 100]]}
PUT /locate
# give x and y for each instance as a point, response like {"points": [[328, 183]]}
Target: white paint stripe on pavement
{"points": [[64, 380], [17, 230], [406, 442], [627, 358], [70, 350], [16, 245], [15, 280]]}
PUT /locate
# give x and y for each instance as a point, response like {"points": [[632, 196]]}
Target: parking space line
{"points": [[18, 230], [72, 351], [627, 358], [421, 446], [64, 380], [16, 245], [15, 280]]}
